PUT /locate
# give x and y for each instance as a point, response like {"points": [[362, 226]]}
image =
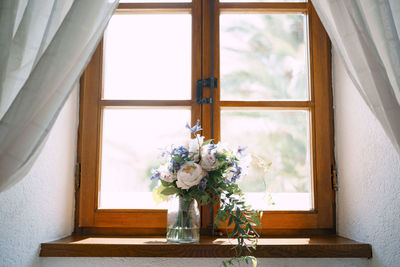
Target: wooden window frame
{"points": [[319, 221]]}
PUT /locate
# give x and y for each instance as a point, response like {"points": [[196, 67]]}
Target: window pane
{"points": [[263, 57], [132, 142], [282, 139], [148, 57]]}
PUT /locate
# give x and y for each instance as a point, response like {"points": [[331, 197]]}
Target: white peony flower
{"points": [[165, 174], [189, 175], [209, 161]]}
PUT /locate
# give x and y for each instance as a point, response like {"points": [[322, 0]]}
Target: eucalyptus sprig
{"points": [[234, 212]]}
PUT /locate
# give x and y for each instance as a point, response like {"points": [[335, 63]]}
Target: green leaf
{"points": [[207, 142], [254, 260], [164, 183], [230, 221], [169, 191], [205, 199], [178, 159], [192, 156]]}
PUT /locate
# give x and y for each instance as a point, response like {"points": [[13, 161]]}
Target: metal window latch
{"points": [[210, 83], [78, 173], [335, 186]]}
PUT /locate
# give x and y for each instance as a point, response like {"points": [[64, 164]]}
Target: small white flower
{"points": [[229, 173], [209, 161], [189, 175], [194, 146], [223, 148], [165, 174], [244, 163]]}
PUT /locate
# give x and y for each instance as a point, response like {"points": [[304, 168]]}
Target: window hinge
{"points": [[77, 175], [209, 82], [335, 186]]}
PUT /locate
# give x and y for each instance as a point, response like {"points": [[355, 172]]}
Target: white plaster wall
{"points": [[368, 200], [40, 208]]}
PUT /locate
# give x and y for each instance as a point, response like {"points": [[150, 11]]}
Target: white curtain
{"points": [[366, 35], [44, 47]]}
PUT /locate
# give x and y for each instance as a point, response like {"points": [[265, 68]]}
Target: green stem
{"points": [[182, 228]]}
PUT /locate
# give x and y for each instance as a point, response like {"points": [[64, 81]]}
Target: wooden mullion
{"points": [[217, 90], [217, 74], [263, 7], [206, 66], [207, 46], [134, 8], [145, 103], [196, 57], [323, 120], [268, 104], [141, 220], [131, 211], [88, 149]]}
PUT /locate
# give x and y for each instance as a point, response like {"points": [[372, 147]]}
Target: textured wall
{"points": [[368, 201], [40, 208]]}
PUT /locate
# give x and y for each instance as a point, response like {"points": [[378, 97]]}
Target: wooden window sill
{"points": [[104, 246]]}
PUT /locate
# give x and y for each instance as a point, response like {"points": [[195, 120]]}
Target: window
{"points": [[272, 65]]}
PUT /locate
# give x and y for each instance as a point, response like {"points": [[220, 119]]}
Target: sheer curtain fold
{"points": [[366, 35], [46, 50]]}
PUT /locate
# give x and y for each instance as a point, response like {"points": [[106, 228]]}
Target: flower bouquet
{"points": [[206, 173]]}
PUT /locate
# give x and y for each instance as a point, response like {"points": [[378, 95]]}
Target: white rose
{"points": [[189, 175], [165, 174], [208, 160]]}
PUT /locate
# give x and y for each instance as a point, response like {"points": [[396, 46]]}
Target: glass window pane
{"points": [[132, 142], [263, 57], [148, 57], [282, 139]]}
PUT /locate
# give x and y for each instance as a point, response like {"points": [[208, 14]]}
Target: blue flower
{"points": [[155, 174], [241, 149], [178, 157], [212, 147], [195, 128], [203, 183], [181, 152], [237, 171]]}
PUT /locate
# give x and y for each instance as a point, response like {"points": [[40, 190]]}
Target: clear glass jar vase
{"points": [[183, 223]]}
